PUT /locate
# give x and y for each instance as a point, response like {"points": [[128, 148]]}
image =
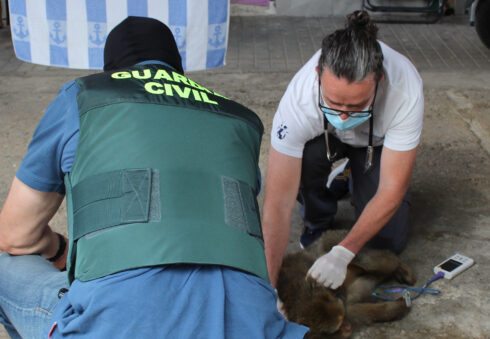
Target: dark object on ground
{"points": [[482, 21]]}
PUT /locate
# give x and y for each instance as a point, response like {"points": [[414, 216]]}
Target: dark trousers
{"points": [[319, 203]]}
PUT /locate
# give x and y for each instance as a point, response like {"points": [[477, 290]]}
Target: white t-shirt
{"points": [[398, 110]]}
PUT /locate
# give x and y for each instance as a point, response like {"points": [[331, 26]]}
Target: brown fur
{"points": [[330, 313]]}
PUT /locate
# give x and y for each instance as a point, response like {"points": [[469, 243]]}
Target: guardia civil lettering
{"points": [[199, 93]]}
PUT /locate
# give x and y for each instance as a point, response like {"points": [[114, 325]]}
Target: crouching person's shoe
{"points": [[309, 236]]}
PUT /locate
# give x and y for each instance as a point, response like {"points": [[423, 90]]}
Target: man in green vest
{"points": [[160, 178]]}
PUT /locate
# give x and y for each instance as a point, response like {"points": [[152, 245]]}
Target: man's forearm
{"points": [[276, 238], [374, 217], [395, 172], [24, 221], [283, 174], [45, 243]]}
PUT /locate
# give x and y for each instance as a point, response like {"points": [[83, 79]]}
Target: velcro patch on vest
{"points": [[115, 198], [241, 208]]}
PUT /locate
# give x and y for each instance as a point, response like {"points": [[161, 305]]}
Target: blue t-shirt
{"points": [[173, 301], [53, 146]]}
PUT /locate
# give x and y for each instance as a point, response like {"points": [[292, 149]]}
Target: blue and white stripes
{"points": [[72, 33]]}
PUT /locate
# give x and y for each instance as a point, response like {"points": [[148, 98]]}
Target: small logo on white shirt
{"points": [[282, 130]]}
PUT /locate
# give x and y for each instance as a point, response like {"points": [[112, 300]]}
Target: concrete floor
{"points": [[451, 182]]}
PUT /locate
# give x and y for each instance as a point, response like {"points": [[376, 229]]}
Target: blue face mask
{"points": [[355, 118], [349, 123]]}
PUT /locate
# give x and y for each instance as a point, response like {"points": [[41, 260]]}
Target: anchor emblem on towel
{"points": [[56, 38], [98, 33], [20, 32], [217, 42], [179, 38]]}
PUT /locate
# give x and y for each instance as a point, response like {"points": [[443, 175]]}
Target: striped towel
{"points": [[72, 33]]}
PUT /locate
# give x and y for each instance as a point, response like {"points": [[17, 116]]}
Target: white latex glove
{"points": [[330, 269]]}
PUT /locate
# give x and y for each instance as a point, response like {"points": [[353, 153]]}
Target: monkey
{"points": [[333, 313]]}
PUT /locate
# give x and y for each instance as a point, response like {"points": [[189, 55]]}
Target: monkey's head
{"points": [[323, 312]]}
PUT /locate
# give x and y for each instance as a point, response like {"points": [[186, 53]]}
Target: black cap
{"points": [[138, 39]]}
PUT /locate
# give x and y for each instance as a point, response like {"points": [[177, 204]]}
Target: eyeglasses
{"points": [[351, 114], [368, 164]]}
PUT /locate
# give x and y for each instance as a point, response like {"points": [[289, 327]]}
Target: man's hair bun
{"points": [[360, 20], [353, 52]]}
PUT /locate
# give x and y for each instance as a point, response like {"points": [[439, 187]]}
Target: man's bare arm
{"points": [[282, 183], [395, 173], [24, 221]]}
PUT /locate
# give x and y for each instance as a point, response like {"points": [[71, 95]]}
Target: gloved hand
{"points": [[330, 269]]}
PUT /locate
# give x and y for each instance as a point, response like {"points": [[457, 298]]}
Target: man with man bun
{"points": [[356, 98]]}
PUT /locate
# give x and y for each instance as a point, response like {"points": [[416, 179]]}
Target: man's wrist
{"points": [[351, 245], [61, 248], [343, 253]]}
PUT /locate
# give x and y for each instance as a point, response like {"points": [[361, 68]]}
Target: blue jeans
{"points": [[29, 287]]}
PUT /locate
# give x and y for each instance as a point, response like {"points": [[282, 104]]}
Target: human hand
{"points": [[59, 260], [330, 269]]}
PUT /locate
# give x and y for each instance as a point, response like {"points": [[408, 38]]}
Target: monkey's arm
{"points": [[367, 313]]}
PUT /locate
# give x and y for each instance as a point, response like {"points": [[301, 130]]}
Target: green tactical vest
{"points": [[165, 173]]}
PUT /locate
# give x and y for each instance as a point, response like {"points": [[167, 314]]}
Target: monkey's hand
{"points": [[330, 269]]}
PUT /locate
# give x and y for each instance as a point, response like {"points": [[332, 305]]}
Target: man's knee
{"points": [[5, 262], [395, 244], [315, 166], [24, 266], [395, 233]]}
